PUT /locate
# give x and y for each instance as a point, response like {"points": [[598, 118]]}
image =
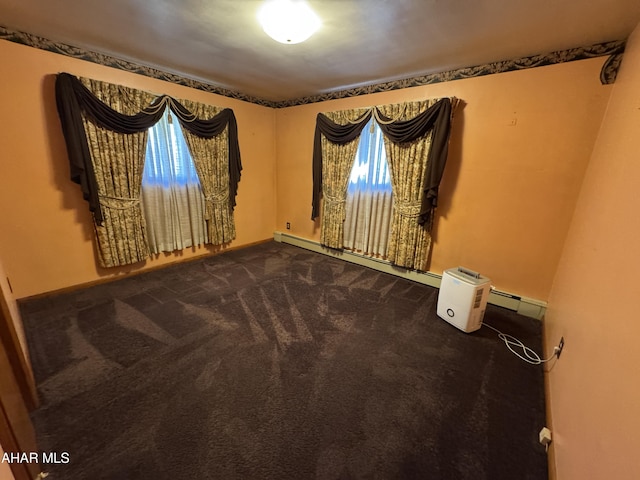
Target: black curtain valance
{"points": [[73, 99], [436, 118]]}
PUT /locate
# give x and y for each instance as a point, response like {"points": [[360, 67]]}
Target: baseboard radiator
{"points": [[529, 307]]}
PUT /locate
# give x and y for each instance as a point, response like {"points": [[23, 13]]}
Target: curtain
{"points": [[337, 161], [335, 133], [369, 197], [367, 221], [172, 199], [79, 106], [410, 241], [434, 122], [118, 162], [212, 166]]}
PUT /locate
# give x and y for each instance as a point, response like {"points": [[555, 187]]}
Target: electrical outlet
{"points": [[288, 226], [560, 347], [545, 437]]}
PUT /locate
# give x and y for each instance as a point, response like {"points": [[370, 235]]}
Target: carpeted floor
{"points": [[273, 362]]}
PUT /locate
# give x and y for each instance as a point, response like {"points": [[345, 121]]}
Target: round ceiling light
{"points": [[288, 21]]}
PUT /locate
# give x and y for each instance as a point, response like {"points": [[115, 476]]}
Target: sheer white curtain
{"points": [[369, 200], [172, 199]]}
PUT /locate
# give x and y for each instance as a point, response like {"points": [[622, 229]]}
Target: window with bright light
{"points": [[168, 160], [370, 170]]}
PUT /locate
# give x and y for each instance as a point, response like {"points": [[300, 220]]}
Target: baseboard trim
{"points": [[127, 270], [528, 307]]}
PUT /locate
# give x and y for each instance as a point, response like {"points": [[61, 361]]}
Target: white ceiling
{"points": [[361, 41]]}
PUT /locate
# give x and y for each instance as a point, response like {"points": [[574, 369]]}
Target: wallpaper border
{"points": [[613, 49]]}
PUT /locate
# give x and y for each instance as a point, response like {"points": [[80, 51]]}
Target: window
{"points": [[172, 199], [168, 160], [370, 170], [369, 196]]}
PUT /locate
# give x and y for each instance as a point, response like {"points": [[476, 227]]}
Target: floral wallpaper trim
{"points": [[614, 49]]}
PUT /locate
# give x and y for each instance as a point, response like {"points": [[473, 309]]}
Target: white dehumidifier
{"points": [[462, 299]]}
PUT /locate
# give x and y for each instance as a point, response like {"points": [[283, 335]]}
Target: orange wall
{"points": [[508, 192], [594, 388], [46, 239], [506, 200]]}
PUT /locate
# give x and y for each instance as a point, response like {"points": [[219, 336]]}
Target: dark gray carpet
{"points": [[272, 362]]}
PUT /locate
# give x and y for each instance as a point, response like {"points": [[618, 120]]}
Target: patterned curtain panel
{"points": [[412, 178], [409, 241], [337, 160], [118, 163], [211, 159], [435, 121]]}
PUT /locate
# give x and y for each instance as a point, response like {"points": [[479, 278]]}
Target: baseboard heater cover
{"points": [[528, 307]]}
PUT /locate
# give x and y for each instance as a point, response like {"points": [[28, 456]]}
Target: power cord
{"points": [[527, 354]]}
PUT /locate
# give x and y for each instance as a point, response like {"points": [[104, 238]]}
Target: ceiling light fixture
{"points": [[288, 21]]}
